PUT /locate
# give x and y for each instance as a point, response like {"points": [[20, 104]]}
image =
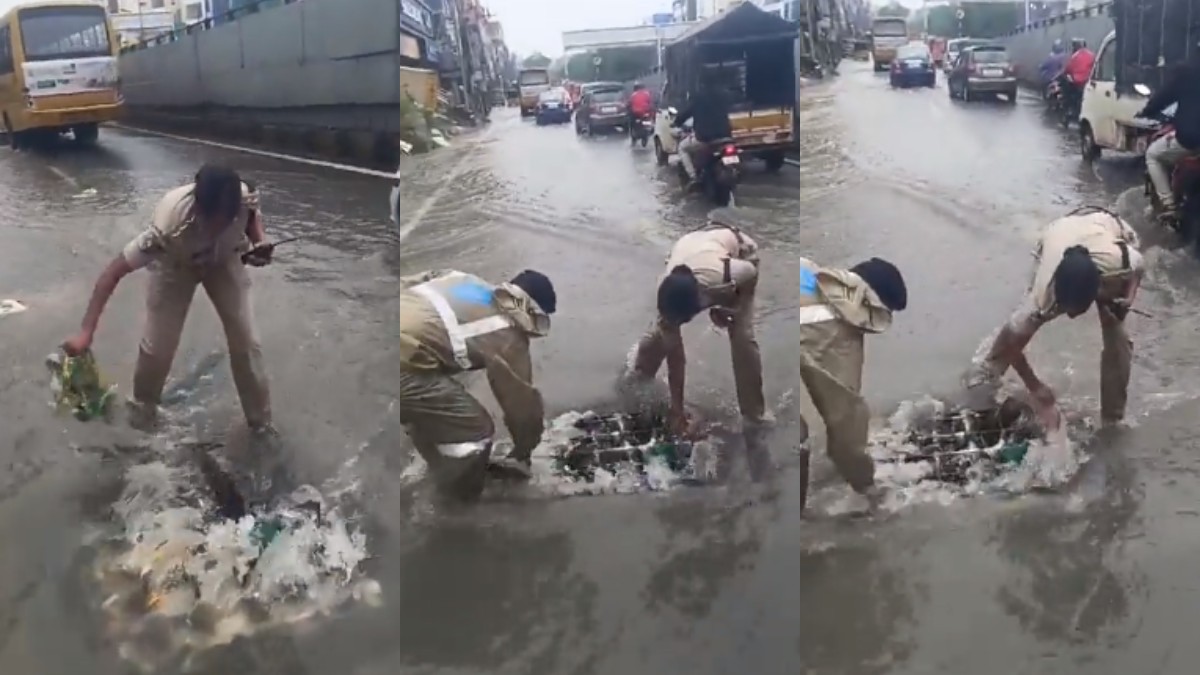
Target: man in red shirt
{"points": [[1077, 72], [641, 104]]}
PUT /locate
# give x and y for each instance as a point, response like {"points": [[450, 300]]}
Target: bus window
{"points": [[6, 55], [49, 33]]}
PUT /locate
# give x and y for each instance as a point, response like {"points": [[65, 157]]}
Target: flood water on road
{"points": [[1081, 579], [322, 315]]}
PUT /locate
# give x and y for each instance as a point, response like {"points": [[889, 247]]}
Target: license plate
{"points": [[731, 159], [551, 105], [608, 109], [993, 72], [914, 64]]}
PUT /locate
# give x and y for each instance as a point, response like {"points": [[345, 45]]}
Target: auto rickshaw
{"points": [[753, 53]]}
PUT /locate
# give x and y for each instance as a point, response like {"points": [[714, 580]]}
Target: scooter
{"points": [[642, 130], [719, 175]]}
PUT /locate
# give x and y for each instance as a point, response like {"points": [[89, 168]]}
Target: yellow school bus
{"points": [[58, 70]]}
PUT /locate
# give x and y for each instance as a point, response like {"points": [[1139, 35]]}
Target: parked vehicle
{"points": [[888, 34], [602, 109], [1185, 188], [913, 66], [752, 53], [554, 107], [982, 70]]}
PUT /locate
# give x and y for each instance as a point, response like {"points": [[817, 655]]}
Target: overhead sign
{"points": [[662, 19], [596, 60], [960, 13]]}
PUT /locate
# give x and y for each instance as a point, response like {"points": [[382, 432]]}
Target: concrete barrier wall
{"points": [[322, 63], [1031, 47]]}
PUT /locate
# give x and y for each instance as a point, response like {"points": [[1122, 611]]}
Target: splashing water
{"points": [[1049, 463], [178, 580]]}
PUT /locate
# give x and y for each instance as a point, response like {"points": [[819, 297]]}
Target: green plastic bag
{"points": [[78, 386]]}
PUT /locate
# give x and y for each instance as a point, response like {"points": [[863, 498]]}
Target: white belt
{"points": [[459, 333], [816, 314]]}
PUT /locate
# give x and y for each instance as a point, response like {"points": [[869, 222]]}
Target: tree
{"points": [[536, 60], [895, 9]]}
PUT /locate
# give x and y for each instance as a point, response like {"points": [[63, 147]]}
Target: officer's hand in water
{"points": [[259, 255], [679, 421], [78, 344], [1046, 405], [722, 317]]}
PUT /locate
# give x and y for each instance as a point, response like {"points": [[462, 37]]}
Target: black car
{"points": [[601, 109], [913, 65]]}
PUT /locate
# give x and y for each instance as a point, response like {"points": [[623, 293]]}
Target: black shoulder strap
{"points": [[1124, 246]]}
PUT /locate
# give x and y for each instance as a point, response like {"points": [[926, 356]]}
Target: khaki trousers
{"points": [[1116, 359], [168, 298], [743, 346], [450, 429], [831, 365]]}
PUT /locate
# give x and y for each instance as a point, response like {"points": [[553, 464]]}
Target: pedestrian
{"points": [[838, 308], [202, 234], [717, 269], [453, 322], [1087, 257]]}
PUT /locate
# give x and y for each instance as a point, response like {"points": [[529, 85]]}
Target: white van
{"points": [[1107, 116]]}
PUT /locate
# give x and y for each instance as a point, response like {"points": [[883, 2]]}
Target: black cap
{"points": [[538, 287], [885, 279]]}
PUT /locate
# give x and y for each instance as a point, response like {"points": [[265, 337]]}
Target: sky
{"points": [[538, 25]]}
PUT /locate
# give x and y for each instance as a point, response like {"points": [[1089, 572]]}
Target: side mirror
{"points": [[1141, 89], [672, 111]]}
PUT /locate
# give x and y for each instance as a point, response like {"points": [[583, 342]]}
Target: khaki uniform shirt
{"points": [[175, 238], [1102, 235], [452, 322]]}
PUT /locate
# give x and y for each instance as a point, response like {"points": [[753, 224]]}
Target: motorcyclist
{"points": [[1053, 65], [641, 105], [709, 112], [1183, 89], [1076, 72]]}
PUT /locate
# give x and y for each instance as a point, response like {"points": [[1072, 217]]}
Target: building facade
{"points": [[417, 34]]}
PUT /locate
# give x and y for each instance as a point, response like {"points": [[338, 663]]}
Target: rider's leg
{"points": [[1160, 157], [685, 156]]}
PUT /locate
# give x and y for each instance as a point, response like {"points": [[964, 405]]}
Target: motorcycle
{"points": [[1053, 97], [1185, 188], [641, 130], [719, 174]]}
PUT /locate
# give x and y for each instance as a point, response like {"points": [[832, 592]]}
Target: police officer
{"points": [[202, 234], [453, 322]]}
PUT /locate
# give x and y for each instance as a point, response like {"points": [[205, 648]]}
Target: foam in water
{"points": [[1049, 463], [177, 580]]}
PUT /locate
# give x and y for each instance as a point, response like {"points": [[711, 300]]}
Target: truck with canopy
{"points": [[752, 54]]}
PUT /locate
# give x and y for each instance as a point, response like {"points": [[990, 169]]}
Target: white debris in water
{"points": [[211, 580], [1047, 464], [10, 306]]}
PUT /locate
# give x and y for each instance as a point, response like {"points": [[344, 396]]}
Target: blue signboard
{"points": [[416, 17], [662, 19]]}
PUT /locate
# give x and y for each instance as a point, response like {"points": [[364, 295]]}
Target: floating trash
{"points": [[9, 306], [610, 442], [78, 386]]}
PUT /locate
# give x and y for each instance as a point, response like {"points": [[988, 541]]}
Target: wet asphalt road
{"points": [[1092, 579], [323, 316]]}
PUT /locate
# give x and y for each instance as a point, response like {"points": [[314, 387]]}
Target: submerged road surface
{"points": [[1091, 578], [322, 311]]}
